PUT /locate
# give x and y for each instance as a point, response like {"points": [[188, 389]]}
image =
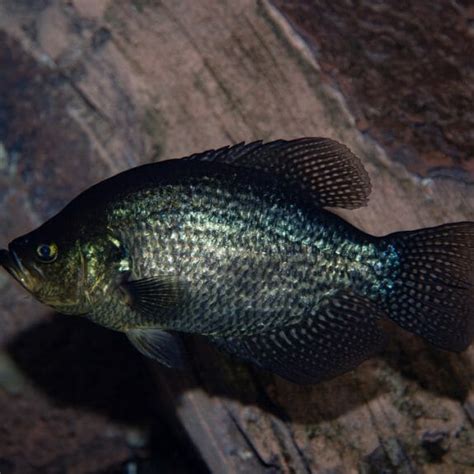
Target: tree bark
{"points": [[90, 88]]}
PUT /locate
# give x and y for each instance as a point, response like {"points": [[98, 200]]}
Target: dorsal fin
{"points": [[328, 170]]}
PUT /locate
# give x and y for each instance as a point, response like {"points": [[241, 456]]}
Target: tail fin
{"points": [[433, 288]]}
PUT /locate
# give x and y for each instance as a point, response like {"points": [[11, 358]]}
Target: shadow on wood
{"points": [[79, 363]]}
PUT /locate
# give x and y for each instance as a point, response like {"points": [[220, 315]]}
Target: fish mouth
{"points": [[31, 277], [14, 266]]}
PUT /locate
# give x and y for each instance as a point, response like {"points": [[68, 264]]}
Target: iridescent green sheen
{"points": [[248, 256], [235, 245]]}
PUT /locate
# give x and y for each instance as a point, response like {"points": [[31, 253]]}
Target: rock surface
{"points": [[89, 88], [406, 71]]}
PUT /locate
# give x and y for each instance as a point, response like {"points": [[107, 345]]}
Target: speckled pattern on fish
{"points": [[235, 245]]}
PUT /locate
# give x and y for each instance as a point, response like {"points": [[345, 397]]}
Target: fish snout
{"points": [[4, 257], [7, 262], [13, 265]]}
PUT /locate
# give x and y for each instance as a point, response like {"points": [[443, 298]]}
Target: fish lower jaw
{"points": [[68, 308], [25, 280]]}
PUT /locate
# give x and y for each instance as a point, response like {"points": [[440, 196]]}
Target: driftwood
{"points": [[89, 88]]}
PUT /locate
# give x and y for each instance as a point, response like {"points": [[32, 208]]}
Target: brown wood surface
{"points": [[89, 88]]}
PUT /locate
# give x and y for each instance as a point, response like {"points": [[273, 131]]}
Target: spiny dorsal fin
{"points": [[326, 169], [163, 346]]}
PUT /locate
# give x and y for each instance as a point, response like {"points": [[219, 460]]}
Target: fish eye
{"points": [[47, 253]]}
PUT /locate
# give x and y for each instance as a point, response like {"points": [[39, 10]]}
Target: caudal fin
{"points": [[433, 288]]}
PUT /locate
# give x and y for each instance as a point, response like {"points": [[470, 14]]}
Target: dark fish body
{"points": [[219, 232], [235, 245]]}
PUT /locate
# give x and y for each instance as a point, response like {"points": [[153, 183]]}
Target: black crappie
{"points": [[234, 244]]}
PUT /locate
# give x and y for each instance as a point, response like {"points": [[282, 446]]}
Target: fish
{"points": [[237, 245]]}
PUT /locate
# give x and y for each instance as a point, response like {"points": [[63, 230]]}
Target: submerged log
{"points": [[91, 88]]}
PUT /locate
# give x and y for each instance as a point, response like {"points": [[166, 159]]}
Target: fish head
{"points": [[51, 267], [68, 267]]}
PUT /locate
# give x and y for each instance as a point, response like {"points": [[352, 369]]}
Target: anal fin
{"points": [[342, 334]]}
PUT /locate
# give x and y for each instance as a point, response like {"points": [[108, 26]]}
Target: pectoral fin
{"points": [[163, 346], [152, 295]]}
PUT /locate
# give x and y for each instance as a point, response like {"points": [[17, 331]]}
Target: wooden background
{"points": [[92, 87]]}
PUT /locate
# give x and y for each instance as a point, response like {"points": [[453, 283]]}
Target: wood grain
{"points": [[93, 88]]}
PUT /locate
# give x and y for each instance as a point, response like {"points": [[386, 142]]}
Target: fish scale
{"points": [[235, 245], [251, 241]]}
